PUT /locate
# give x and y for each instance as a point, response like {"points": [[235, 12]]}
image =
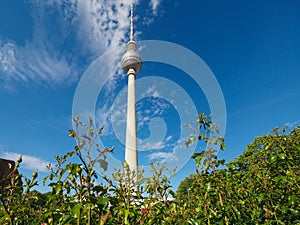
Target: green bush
{"points": [[261, 186]]}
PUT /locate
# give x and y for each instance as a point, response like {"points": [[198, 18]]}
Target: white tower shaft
{"points": [[131, 156]]}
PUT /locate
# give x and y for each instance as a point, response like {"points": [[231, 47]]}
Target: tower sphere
{"points": [[131, 59]]}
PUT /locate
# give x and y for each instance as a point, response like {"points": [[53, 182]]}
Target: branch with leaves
{"points": [[206, 130]]}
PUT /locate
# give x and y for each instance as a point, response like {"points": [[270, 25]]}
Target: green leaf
{"points": [[231, 166], [207, 187], [236, 211], [3, 218], [201, 137], [126, 212], [102, 201], [76, 210], [70, 154], [292, 199], [273, 158], [214, 141], [100, 130], [64, 219], [189, 141], [72, 133], [281, 156], [295, 212], [223, 146], [19, 159], [103, 164]]}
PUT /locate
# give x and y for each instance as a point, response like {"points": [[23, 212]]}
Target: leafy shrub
{"points": [[261, 186]]}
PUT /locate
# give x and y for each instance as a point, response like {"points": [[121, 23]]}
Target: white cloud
{"points": [[154, 5], [152, 91], [151, 145], [170, 156], [157, 107], [103, 117], [92, 26], [168, 138], [119, 108], [29, 162], [32, 63], [146, 109], [293, 124]]}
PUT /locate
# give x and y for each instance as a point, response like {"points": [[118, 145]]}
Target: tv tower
{"points": [[131, 64]]}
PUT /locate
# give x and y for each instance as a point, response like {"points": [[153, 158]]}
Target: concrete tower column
{"points": [[131, 155]]}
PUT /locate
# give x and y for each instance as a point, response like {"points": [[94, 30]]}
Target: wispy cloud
{"points": [[152, 91], [34, 63], [29, 162], [154, 5], [113, 112], [152, 145], [60, 47], [172, 150], [170, 156], [104, 118], [293, 124]]}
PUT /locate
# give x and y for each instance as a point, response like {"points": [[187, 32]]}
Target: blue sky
{"points": [[48, 47]]}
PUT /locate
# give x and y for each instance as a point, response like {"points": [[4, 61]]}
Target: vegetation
{"points": [[261, 186]]}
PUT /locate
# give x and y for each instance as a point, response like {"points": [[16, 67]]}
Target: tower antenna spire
{"points": [[131, 22]]}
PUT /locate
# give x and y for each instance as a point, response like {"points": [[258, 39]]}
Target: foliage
{"points": [[270, 170], [17, 203], [206, 130], [148, 205], [261, 186], [76, 198]]}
